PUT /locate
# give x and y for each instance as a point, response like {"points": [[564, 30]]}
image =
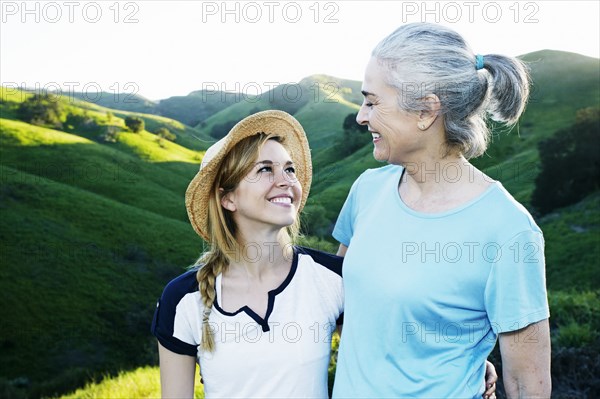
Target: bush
{"points": [[164, 133], [110, 134], [81, 123], [135, 124], [570, 164], [43, 110]]}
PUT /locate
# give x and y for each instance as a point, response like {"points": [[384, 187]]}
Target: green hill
{"points": [[196, 107], [319, 102], [124, 101], [94, 225]]}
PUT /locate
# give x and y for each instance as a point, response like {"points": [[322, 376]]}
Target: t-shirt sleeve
{"points": [[172, 324], [344, 227], [515, 294]]}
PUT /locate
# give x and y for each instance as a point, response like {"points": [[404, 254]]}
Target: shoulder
{"points": [[322, 260], [371, 181], [380, 174], [180, 286], [509, 211]]}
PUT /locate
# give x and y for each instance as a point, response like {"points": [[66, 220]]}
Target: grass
{"points": [[144, 382]]}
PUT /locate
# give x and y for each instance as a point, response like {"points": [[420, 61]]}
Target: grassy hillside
{"points": [[187, 136], [144, 382], [319, 102], [90, 233], [196, 107], [127, 101]]}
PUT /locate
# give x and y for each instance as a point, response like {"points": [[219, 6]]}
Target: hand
{"points": [[490, 381]]}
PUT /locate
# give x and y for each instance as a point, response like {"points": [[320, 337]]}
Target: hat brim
{"points": [[271, 122]]}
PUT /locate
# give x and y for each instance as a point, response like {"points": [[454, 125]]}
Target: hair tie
{"points": [[478, 62]]}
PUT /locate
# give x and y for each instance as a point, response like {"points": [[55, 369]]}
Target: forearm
{"points": [[526, 362], [519, 388]]}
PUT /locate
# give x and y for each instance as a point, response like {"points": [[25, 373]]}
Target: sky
{"points": [[159, 49]]}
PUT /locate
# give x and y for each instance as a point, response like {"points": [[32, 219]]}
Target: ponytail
{"points": [[510, 82]]}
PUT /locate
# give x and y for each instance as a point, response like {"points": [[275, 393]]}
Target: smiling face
{"points": [[395, 133], [267, 199]]}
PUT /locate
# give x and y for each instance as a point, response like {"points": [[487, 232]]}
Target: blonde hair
{"points": [[223, 245]]}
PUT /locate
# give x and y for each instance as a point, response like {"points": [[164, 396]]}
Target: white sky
{"points": [[165, 48]]}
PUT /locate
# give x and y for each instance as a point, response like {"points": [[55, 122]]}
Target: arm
{"points": [[176, 374], [526, 361]]}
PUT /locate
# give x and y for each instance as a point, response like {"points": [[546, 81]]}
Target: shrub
{"points": [[135, 123], [570, 165], [164, 133], [110, 134], [43, 110], [81, 123]]}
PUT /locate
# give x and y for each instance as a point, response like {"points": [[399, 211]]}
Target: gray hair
{"points": [[424, 58]]}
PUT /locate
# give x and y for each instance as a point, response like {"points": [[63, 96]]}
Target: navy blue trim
{"points": [[264, 323], [163, 322], [329, 261]]}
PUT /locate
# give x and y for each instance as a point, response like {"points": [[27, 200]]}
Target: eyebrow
{"points": [[366, 93], [269, 162]]}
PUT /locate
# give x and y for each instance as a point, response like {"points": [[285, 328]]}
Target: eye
{"points": [[290, 170], [264, 169]]}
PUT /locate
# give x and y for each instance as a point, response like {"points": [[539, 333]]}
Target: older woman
{"points": [[440, 260]]}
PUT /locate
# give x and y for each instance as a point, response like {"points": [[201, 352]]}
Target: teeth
{"points": [[282, 200], [375, 135]]}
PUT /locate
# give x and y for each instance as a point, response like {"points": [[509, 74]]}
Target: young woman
{"points": [[440, 260], [258, 312]]}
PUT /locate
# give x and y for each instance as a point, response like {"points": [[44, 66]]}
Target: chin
{"points": [[379, 156]]}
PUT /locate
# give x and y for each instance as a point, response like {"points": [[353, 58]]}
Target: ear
{"points": [[227, 201], [430, 113]]}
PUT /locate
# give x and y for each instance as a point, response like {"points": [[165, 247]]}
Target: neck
{"points": [[261, 255], [446, 183], [435, 172]]}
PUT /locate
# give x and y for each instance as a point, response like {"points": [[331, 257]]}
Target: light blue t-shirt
{"points": [[426, 295]]}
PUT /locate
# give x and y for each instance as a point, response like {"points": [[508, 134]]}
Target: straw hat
{"points": [[275, 122]]}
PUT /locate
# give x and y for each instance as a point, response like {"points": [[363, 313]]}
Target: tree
{"points": [[41, 109], [135, 123], [570, 164], [82, 123], [164, 133]]}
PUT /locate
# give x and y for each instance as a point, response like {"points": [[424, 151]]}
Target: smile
{"points": [[281, 200]]}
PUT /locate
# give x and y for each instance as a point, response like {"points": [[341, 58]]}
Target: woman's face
{"points": [[268, 197], [395, 132]]}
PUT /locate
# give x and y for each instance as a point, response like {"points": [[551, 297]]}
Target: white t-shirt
{"points": [[284, 355]]}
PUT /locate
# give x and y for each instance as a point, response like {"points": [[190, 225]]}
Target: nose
{"points": [[362, 116], [282, 179]]}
